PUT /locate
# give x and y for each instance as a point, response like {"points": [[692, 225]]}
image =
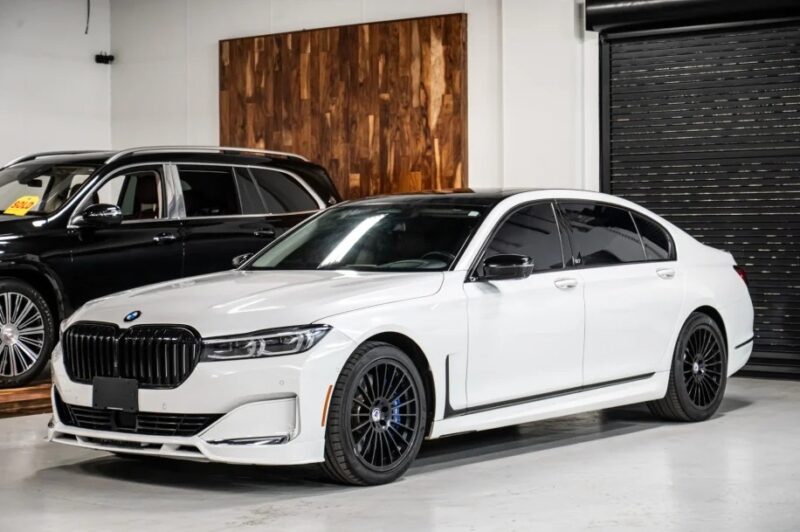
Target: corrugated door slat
{"points": [[704, 129]]}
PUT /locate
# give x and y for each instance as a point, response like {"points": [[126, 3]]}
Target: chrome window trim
{"points": [[85, 201], [321, 204]]}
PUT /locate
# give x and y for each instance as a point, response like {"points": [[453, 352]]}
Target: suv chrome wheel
{"points": [[21, 334]]}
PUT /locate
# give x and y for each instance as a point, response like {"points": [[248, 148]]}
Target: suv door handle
{"points": [[267, 232], [666, 273], [163, 238], [566, 284]]}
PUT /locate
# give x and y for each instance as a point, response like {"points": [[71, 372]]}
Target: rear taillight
{"points": [[742, 274]]}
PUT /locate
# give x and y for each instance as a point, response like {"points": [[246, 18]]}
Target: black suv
{"points": [[80, 225]]}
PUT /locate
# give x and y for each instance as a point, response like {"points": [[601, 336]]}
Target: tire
{"points": [[27, 333], [377, 417], [698, 376]]}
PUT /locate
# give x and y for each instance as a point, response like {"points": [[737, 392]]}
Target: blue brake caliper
{"points": [[396, 411]]}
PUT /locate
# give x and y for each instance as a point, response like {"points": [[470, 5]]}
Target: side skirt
{"points": [[608, 394]]}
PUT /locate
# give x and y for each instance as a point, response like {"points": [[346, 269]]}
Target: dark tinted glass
{"points": [[602, 234], [248, 194], [209, 190], [281, 192], [531, 231], [655, 238], [375, 238]]}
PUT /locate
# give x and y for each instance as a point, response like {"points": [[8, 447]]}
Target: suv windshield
{"points": [[39, 189], [375, 238]]}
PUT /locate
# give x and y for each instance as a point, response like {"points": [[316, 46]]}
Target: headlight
{"points": [[272, 342]]}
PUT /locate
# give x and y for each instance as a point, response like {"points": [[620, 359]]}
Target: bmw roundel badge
{"points": [[133, 315]]}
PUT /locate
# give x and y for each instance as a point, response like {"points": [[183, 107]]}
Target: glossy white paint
{"points": [[484, 342]]}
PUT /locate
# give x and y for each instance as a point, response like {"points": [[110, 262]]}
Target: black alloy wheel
{"points": [[27, 333], [377, 417], [698, 376]]}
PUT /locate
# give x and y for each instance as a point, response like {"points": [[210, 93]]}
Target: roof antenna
{"points": [[88, 16]]}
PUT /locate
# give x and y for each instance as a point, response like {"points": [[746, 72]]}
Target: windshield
{"points": [[375, 238], [39, 189]]}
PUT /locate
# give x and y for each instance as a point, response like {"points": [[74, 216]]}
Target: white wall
{"points": [[52, 93], [527, 84]]}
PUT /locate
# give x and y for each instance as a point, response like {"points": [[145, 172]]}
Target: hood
{"points": [[243, 301]]}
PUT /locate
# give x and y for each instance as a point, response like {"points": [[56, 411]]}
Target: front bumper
{"points": [[273, 409]]}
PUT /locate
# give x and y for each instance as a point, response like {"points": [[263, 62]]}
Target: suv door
{"points": [[632, 302], [145, 248], [525, 335], [231, 210]]}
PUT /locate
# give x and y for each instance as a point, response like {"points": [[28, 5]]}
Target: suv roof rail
{"points": [[201, 149], [33, 156]]}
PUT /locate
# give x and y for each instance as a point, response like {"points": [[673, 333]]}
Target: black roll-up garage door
{"points": [[703, 127]]}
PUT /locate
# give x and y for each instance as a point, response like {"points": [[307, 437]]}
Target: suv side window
{"points": [[139, 194], [602, 234], [209, 190], [656, 240], [282, 193], [532, 231]]}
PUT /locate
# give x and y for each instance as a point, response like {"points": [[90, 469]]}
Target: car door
{"points": [[145, 248], [632, 303], [232, 210], [525, 335]]}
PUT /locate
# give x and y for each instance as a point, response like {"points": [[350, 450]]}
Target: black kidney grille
{"points": [[156, 356], [147, 423]]}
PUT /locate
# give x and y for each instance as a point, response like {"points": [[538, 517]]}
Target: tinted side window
{"points": [[138, 194], [530, 231], [602, 234], [209, 190], [281, 192], [655, 238]]}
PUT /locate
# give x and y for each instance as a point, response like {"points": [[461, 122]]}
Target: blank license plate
{"points": [[115, 394]]}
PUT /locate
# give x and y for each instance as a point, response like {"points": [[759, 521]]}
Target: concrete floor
{"points": [[617, 469]]}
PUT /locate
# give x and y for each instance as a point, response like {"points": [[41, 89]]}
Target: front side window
{"points": [[657, 243], [602, 234], [375, 238], [531, 231], [139, 194], [209, 190], [37, 189]]}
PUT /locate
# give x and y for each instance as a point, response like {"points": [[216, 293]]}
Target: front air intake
{"points": [[156, 356]]}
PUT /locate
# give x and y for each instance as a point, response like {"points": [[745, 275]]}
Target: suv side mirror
{"points": [[507, 267], [238, 260], [100, 215]]}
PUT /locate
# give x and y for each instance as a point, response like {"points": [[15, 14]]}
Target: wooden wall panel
{"points": [[382, 106]]}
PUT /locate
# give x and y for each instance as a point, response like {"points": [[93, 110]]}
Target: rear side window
{"points": [[656, 240], [209, 190], [530, 231], [602, 234], [281, 192]]}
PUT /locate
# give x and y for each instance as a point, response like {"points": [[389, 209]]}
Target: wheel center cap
{"points": [[376, 414], [9, 334], [696, 367]]}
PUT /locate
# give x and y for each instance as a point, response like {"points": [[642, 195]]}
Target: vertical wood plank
{"points": [[382, 106]]}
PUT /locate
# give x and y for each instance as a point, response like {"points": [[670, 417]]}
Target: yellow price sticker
{"points": [[22, 205]]}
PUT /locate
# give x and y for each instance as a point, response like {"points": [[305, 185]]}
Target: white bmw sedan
{"points": [[382, 322]]}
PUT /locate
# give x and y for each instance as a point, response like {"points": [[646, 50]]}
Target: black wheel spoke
{"points": [[384, 414], [702, 366]]}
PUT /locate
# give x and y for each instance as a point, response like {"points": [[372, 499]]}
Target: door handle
{"points": [[266, 232], [665, 273], [565, 284], [163, 238]]}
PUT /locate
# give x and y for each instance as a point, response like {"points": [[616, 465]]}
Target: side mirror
{"points": [[238, 260], [100, 215], [507, 267]]}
